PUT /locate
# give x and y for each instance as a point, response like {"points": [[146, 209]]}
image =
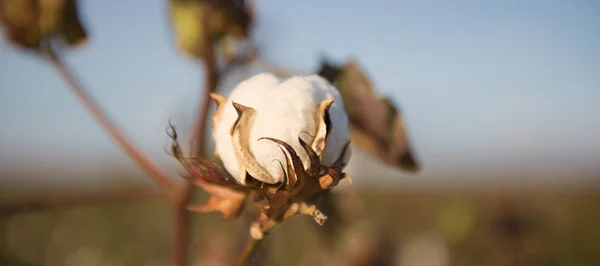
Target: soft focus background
{"points": [[501, 100]]}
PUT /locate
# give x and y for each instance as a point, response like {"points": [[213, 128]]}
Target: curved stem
{"points": [[138, 156], [248, 252], [265, 225]]}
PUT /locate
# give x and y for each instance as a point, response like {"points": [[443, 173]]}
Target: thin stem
{"points": [[212, 77], [181, 215], [266, 225], [138, 156], [181, 229], [248, 252]]}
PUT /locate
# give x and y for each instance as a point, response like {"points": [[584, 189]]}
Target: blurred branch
{"points": [[248, 252], [62, 201], [181, 215], [181, 223], [138, 156]]}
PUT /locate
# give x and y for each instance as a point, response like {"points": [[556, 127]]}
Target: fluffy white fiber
{"points": [[285, 109]]}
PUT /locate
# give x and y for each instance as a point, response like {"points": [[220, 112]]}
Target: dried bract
{"points": [[226, 196], [376, 124]]}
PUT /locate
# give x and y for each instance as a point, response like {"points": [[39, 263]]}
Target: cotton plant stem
{"points": [[178, 195], [249, 249], [263, 226], [252, 244], [136, 154], [181, 227], [181, 239]]}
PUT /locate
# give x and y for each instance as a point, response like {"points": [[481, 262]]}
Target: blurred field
{"points": [[417, 227]]}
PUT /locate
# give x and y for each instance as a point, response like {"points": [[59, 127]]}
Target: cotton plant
{"points": [[285, 140]]}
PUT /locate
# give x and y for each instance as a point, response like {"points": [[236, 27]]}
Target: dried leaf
{"points": [[238, 15], [30, 23], [200, 23], [376, 124]]}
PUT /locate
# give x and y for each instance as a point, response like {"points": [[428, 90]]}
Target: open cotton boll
{"points": [[284, 110]]}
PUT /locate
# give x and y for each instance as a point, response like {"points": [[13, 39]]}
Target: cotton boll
{"points": [[245, 93], [284, 110]]}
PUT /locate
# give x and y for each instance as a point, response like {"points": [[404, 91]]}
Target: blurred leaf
{"points": [[512, 220], [376, 124], [29, 23], [199, 23], [186, 20]]}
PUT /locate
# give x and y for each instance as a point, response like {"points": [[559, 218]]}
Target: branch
{"points": [[247, 254], [138, 156], [181, 226], [54, 202]]}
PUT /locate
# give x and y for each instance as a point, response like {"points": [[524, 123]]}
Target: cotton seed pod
{"points": [[263, 106]]}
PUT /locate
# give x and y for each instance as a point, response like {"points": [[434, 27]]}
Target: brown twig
{"points": [[248, 252], [138, 156], [181, 226], [264, 226]]}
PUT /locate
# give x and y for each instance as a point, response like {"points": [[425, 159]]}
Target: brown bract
{"points": [[302, 185], [240, 139], [226, 196], [376, 124]]}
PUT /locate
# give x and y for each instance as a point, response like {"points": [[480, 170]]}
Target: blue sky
{"points": [[487, 84]]}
